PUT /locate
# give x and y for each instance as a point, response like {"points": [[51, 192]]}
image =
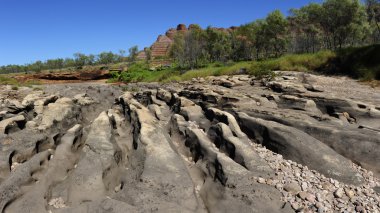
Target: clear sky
{"points": [[33, 30]]}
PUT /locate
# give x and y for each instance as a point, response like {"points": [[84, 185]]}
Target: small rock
{"points": [[295, 206], [327, 186], [321, 209], [319, 197], [339, 193], [269, 181], [304, 186], [310, 198], [292, 188], [359, 209], [279, 186], [118, 188], [303, 195], [349, 193], [340, 205], [318, 205], [261, 180]]}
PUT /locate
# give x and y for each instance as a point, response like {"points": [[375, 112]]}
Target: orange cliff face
{"points": [[161, 47]]}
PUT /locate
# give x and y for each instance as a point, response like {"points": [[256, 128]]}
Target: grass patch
{"points": [[293, 62], [5, 80], [363, 63], [215, 69], [141, 72]]}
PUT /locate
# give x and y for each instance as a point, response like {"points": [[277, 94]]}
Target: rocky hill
{"points": [[298, 142]]}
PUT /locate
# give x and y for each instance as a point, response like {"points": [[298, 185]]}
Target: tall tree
{"points": [[276, 32], [219, 45], [107, 58], [133, 53], [373, 11], [342, 19], [305, 29], [189, 50]]}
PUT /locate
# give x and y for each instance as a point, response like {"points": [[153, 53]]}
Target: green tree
{"points": [[190, 50], [91, 59], [342, 19], [177, 51], [133, 51], [373, 11], [219, 44], [122, 55], [148, 53], [305, 30], [107, 58], [80, 59], [276, 32]]}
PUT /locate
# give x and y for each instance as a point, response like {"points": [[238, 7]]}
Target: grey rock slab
{"points": [[298, 146]]}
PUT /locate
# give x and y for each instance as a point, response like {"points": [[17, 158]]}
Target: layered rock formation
{"points": [[160, 49], [298, 142]]}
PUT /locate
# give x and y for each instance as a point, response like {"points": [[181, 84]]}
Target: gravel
{"points": [[309, 191]]}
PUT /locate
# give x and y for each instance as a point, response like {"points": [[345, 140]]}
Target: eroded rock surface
{"points": [[221, 144]]}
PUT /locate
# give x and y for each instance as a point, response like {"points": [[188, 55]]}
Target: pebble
{"points": [[318, 205], [310, 198], [303, 195], [279, 186], [308, 191], [327, 186], [340, 205], [339, 193], [295, 206], [292, 187], [261, 180], [349, 193], [304, 186], [319, 197], [321, 209], [359, 208]]}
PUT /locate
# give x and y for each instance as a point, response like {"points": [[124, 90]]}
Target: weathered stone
{"points": [[12, 124], [292, 187], [339, 193]]}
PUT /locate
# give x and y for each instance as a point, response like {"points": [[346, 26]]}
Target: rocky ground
{"points": [[295, 143]]}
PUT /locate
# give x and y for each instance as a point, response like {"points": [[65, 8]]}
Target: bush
{"points": [[261, 69], [361, 62]]}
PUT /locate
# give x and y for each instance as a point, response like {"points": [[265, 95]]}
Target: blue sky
{"points": [[33, 30]]}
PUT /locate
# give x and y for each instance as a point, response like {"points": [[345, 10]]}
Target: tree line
{"points": [[78, 60], [331, 25]]}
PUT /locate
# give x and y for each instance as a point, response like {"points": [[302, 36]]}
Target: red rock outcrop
{"points": [[161, 47]]}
